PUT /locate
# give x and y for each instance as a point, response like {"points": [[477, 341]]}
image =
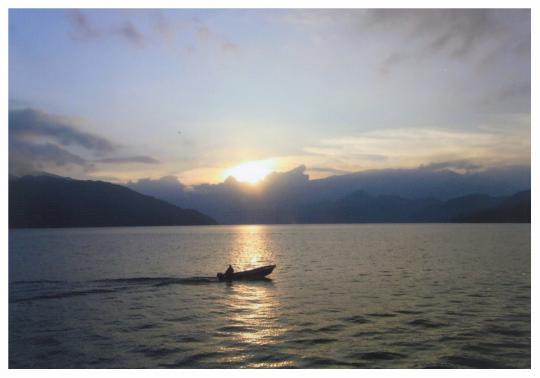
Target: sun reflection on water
{"points": [[251, 248], [255, 312], [253, 307]]}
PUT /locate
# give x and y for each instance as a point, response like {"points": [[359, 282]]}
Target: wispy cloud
{"points": [[515, 90], [391, 61], [451, 33], [455, 32], [334, 171], [131, 33], [84, 29], [162, 26], [513, 98], [208, 35], [129, 159], [465, 165], [432, 148]]}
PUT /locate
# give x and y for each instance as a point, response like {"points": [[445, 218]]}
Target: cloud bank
{"points": [[39, 140], [27, 124]]}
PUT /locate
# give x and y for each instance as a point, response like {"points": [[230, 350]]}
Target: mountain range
{"points": [[360, 207], [419, 194], [45, 200], [398, 196]]}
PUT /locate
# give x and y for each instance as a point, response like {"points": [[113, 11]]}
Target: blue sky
{"points": [[192, 93]]}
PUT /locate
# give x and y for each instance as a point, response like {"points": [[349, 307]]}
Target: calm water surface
{"points": [[366, 296]]}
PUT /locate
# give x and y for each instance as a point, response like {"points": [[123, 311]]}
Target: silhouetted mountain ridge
{"points": [[360, 207], [53, 201], [516, 208], [283, 197]]}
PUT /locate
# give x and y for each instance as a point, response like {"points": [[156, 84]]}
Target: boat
{"points": [[253, 274]]}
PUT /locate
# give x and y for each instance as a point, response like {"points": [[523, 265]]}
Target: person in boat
{"points": [[229, 272]]}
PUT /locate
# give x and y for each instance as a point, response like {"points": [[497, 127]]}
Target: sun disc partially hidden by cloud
{"points": [[251, 171]]}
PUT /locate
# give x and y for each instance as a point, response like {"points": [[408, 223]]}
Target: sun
{"points": [[251, 171]]}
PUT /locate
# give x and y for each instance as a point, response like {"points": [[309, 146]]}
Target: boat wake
{"points": [[27, 291], [160, 281]]}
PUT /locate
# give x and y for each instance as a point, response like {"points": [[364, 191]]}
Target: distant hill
{"points": [[43, 200], [360, 207], [53, 201], [281, 197], [516, 208]]}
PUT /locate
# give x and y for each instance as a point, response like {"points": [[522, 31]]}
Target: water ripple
{"points": [[376, 355], [315, 341], [425, 323], [474, 362]]}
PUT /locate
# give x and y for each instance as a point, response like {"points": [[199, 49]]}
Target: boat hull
{"points": [[253, 274]]}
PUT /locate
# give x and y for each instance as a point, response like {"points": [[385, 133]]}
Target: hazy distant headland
{"points": [[388, 196]]}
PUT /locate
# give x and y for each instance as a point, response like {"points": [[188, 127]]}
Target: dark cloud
{"points": [[26, 157], [165, 180], [167, 188], [465, 165], [28, 124], [296, 176], [129, 159], [38, 140]]}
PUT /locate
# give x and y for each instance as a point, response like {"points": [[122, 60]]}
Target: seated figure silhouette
{"points": [[229, 272]]}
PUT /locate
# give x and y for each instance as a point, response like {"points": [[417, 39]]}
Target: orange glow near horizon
{"points": [[251, 171]]}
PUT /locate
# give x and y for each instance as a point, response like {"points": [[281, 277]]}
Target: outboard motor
{"points": [[224, 277]]}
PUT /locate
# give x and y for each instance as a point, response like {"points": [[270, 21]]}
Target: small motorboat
{"points": [[253, 274]]}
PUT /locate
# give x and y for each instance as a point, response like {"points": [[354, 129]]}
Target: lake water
{"points": [[345, 296]]}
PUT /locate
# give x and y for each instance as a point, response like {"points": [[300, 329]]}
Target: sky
{"points": [[123, 94]]}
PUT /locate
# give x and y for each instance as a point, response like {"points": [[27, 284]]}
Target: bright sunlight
{"points": [[251, 171]]}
